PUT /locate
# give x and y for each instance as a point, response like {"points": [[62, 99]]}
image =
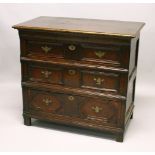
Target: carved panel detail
{"points": [[97, 110], [100, 110]]}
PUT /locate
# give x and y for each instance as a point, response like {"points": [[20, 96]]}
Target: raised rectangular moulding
{"points": [[79, 72]]}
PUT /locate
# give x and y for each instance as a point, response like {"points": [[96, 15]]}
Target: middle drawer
{"points": [[72, 77]]}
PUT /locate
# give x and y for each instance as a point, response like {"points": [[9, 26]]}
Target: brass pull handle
{"points": [[71, 72], [47, 101], [46, 73], [96, 109], [72, 47], [46, 49], [98, 80], [38, 108], [100, 54], [71, 98]]}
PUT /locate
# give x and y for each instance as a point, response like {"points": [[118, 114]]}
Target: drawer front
{"points": [[73, 77], [97, 110], [106, 55]]}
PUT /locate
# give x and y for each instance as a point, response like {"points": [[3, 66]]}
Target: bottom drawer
{"points": [[90, 109]]}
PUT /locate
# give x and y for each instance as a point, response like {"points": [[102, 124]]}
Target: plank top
{"points": [[79, 25]]}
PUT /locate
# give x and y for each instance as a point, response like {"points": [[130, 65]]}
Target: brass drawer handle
{"points": [[71, 72], [98, 80], [72, 47], [71, 98], [47, 101], [38, 108], [46, 49], [100, 54], [46, 74], [96, 109]]}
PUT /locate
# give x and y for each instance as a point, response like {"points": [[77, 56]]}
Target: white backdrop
{"points": [[15, 136]]}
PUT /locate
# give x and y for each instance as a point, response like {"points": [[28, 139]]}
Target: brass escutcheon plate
{"points": [[71, 72], [71, 98], [72, 47]]}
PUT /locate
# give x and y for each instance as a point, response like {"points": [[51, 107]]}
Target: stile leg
{"points": [[119, 137], [27, 121]]}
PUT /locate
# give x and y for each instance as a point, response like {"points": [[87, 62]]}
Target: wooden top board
{"points": [[78, 25]]}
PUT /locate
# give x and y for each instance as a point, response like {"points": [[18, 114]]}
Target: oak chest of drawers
{"points": [[79, 72]]}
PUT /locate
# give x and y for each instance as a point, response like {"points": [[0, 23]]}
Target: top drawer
{"points": [[107, 55]]}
